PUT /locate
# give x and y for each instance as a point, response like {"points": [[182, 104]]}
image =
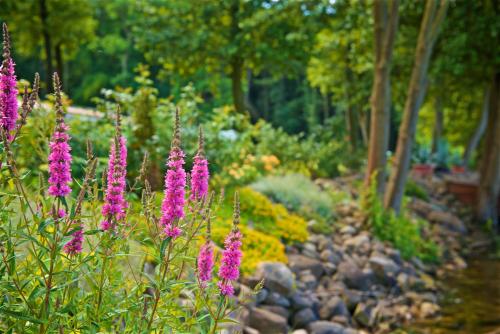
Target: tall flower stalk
{"points": [[8, 89], [229, 270], [199, 173], [115, 206], [205, 262], [60, 156], [172, 208]]}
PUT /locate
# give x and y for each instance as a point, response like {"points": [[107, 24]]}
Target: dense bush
{"points": [[298, 193], [405, 233]]}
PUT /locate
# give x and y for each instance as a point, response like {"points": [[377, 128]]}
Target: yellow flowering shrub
{"points": [[257, 246], [271, 218]]}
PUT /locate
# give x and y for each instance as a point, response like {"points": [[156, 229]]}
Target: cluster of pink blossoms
{"points": [[8, 89], [59, 157], [199, 174], [115, 205], [172, 207], [229, 269]]}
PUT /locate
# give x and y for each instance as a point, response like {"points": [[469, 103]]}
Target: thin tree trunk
{"points": [[362, 119], [433, 16], [489, 181], [60, 64], [438, 123], [236, 84], [236, 62], [481, 127], [46, 44], [254, 112], [386, 23]]}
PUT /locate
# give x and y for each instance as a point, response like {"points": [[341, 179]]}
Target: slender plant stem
{"points": [[158, 291]]}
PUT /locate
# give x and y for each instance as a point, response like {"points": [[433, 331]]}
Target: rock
{"points": [[267, 322], [449, 220], [340, 319], [330, 256], [299, 263], [334, 306], [356, 242], [277, 277], [329, 268], [348, 229], [301, 301], [250, 330], [351, 299], [276, 299], [364, 315], [261, 295], [299, 331], [428, 309], [385, 269], [276, 309], [325, 327], [308, 279], [354, 277], [303, 318], [421, 207]]}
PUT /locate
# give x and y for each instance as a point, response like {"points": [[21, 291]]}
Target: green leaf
{"points": [[21, 316], [163, 246], [91, 232], [43, 224]]}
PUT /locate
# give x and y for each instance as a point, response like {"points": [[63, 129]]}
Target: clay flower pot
{"points": [[457, 169], [423, 170]]}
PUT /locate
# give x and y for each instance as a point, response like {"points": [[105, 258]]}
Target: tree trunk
{"points": [[46, 44], [438, 123], [386, 23], [236, 62], [489, 180], [236, 84], [254, 112], [481, 127], [362, 119], [60, 64], [433, 16]]}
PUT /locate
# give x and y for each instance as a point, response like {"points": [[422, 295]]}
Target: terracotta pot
{"points": [[458, 169], [423, 170], [465, 191]]}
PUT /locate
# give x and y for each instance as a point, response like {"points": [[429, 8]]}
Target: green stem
{"points": [[158, 291]]}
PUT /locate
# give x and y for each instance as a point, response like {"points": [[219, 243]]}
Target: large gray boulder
{"points": [[300, 263], [267, 322], [277, 277], [385, 269], [354, 277]]}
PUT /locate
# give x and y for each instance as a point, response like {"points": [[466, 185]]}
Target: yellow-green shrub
{"points": [[257, 247], [274, 219]]}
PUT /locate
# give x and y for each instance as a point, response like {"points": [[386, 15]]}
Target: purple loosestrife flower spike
{"points": [[59, 157], [199, 174], [115, 205], [175, 183], [8, 89], [231, 256], [206, 259]]}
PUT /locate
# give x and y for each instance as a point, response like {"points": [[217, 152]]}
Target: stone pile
{"points": [[350, 282]]}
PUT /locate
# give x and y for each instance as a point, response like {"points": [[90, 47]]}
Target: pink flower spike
{"points": [[172, 207], [115, 205], [60, 156], [229, 269], [74, 246], [8, 89], [205, 263], [199, 174]]}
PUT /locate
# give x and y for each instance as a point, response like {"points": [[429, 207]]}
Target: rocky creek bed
{"points": [[350, 282]]}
